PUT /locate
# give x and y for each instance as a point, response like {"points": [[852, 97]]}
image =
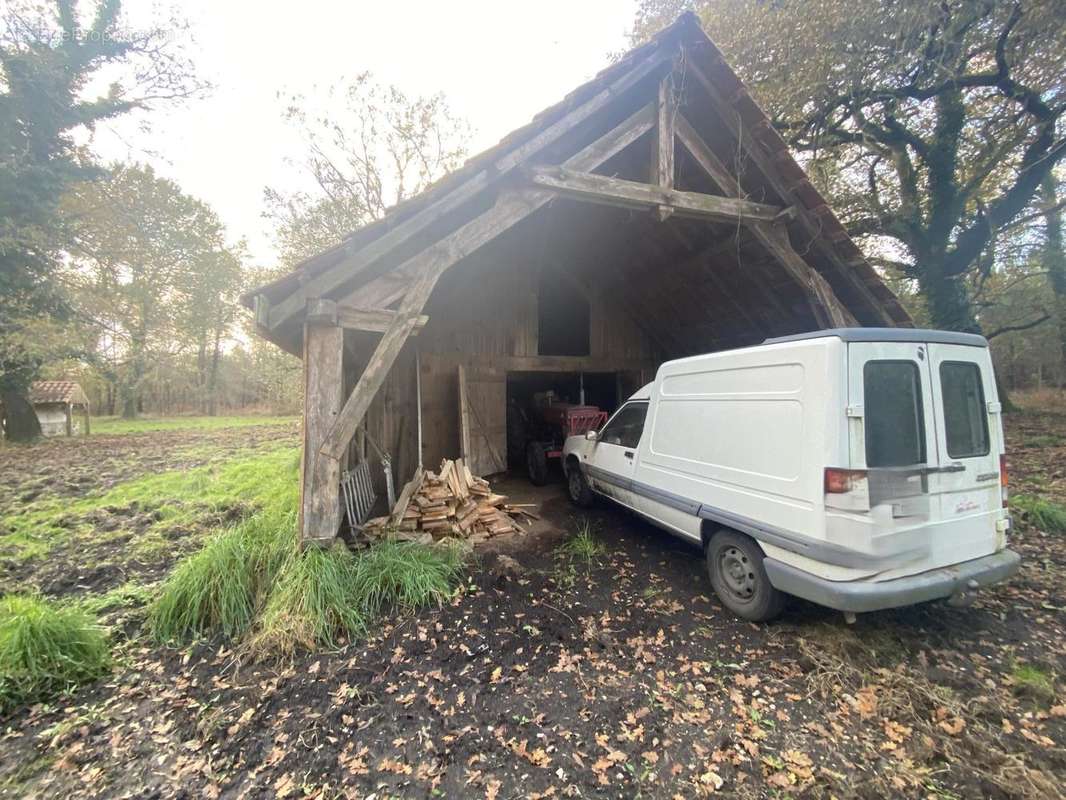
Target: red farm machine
{"points": [[547, 424]]}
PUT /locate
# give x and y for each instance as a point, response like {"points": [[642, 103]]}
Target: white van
{"points": [[859, 468]]}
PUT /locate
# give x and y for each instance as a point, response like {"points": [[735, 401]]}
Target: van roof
{"points": [[887, 335]]}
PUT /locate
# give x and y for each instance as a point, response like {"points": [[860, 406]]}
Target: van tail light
{"points": [[842, 481], [1003, 478]]}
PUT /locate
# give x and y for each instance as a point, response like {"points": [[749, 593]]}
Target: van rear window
{"points": [[965, 417], [894, 422]]}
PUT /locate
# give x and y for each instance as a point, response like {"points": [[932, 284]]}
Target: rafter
{"points": [[825, 305], [618, 192], [357, 262]]}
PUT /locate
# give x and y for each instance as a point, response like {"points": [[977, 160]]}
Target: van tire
{"points": [[734, 563], [577, 486]]}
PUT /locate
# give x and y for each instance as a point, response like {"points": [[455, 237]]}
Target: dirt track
{"points": [[623, 680]]}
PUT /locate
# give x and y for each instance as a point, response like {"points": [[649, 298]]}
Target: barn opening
{"points": [[531, 394], [653, 213]]}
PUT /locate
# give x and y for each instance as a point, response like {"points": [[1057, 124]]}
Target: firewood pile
{"points": [[449, 503]]}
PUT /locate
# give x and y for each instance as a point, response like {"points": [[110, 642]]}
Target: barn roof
{"points": [[57, 392], [829, 251]]}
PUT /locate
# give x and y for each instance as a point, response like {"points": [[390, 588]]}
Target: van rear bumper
{"points": [[858, 596]]}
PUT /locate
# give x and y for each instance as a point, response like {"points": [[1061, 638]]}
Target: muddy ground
{"points": [[114, 545], [622, 677]]}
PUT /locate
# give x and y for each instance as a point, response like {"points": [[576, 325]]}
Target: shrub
{"points": [[46, 648]]}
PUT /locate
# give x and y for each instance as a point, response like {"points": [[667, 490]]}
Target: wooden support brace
{"points": [[731, 118], [827, 309], [426, 268]]}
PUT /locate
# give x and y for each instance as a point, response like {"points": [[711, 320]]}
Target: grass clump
{"points": [[405, 575], [1043, 514], [219, 588], [311, 603], [1031, 681], [584, 545], [46, 648]]}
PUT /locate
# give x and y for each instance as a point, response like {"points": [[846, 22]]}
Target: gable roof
{"points": [[833, 254], [57, 392]]}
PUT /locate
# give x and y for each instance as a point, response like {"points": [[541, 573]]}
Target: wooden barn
{"points": [[653, 213], [62, 408]]}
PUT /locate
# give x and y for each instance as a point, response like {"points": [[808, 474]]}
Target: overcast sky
{"points": [[498, 63]]}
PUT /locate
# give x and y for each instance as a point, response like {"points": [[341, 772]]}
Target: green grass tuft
{"points": [[252, 579], [311, 604], [46, 648], [1043, 514], [584, 545], [405, 575], [1033, 682], [219, 588]]}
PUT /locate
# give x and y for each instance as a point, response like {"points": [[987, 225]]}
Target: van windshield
{"points": [[894, 422]]}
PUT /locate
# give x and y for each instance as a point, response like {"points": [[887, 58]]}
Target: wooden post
{"points": [[663, 167], [320, 505], [70, 419]]}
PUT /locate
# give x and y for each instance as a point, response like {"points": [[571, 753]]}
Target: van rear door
{"points": [[965, 491], [922, 425]]}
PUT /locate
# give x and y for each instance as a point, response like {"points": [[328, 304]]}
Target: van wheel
{"points": [[578, 487], [734, 563], [537, 463]]}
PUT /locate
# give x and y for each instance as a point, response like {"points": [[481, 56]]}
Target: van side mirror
{"points": [[591, 435]]}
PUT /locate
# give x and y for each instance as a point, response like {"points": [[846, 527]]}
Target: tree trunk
{"points": [[1055, 263], [20, 419], [212, 376], [948, 301]]}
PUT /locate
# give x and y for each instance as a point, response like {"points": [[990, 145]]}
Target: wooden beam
{"points": [[426, 268], [829, 311], [729, 116], [618, 192], [825, 305], [390, 287], [374, 320], [320, 505], [355, 263], [663, 166]]}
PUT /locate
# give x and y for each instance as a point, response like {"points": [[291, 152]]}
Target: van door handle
{"points": [[956, 467], [629, 454]]}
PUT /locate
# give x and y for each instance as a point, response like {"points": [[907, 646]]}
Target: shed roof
{"points": [[833, 254], [57, 392]]}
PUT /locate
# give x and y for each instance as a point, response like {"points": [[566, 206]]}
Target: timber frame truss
{"points": [[331, 421]]}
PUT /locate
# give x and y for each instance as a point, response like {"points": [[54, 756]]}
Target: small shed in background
{"points": [[62, 408]]}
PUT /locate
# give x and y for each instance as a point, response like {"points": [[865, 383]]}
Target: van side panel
{"points": [[747, 432]]}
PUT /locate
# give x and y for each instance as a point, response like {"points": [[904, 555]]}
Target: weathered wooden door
{"points": [[483, 419]]}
